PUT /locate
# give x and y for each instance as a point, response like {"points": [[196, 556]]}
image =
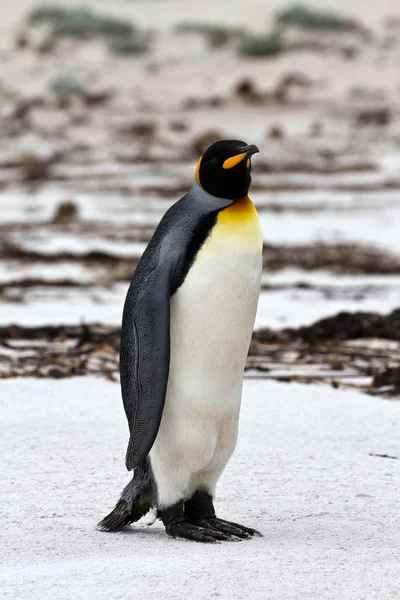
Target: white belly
{"points": [[212, 318]]}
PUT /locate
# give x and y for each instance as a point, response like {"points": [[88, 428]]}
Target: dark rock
{"points": [[275, 132], [142, 128], [46, 45], [25, 105], [373, 116], [22, 40], [215, 102], [288, 82], [57, 373], [178, 126], [94, 97], [67, 212], [191, 103], [35, 167], [246, 91], [386, 383]]}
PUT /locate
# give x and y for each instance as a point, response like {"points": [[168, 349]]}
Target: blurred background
{"points": [[105, 108]]}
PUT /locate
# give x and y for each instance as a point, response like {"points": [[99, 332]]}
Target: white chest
{"points": [[213, 312]]}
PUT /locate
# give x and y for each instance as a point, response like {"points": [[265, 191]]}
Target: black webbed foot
{"points": [[229, 528], [199, 510], [176, 525], [188, 531]]}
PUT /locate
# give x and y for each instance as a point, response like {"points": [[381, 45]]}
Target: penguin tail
{"points": [[137, 498], [124, 514]]}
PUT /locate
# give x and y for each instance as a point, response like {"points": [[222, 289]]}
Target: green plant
{"points": [[83, 23], [357, 92], [80, 23], [309, 18], [263, 45], [67, 85], [216, 35], [127, 45], [46, 13], [112, 26]]}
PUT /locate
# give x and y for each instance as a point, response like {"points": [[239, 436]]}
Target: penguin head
{"points": [[224, 170]]}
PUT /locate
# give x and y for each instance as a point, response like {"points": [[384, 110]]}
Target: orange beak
{"points": [[235, 160]]}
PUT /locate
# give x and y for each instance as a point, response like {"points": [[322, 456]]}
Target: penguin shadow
{"points": [[143, 532], [147, 532]]}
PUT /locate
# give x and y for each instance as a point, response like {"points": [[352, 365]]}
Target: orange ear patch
{"points": [[234, 160], [197, 172]]}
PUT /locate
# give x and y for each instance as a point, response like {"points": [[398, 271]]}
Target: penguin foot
{"points": [[199, 510], [177, 526], [196, 534], [229, 528]]}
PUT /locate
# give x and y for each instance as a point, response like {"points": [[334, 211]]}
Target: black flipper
{"points": [[145, 352]]}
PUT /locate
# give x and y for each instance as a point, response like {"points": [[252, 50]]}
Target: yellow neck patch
{"points": [[240, 211], [240, 223]]}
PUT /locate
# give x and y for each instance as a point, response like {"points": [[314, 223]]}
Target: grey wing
{"points": [[145, 353]]}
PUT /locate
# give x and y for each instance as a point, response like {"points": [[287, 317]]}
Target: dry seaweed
{"points": [[386, 383], [339, 258], [11, 251], [341, 327], [286, 356]]}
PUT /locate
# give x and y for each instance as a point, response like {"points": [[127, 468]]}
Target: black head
{"points": [[224, 170]]}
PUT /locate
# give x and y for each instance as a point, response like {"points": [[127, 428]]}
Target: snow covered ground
{"points": [[302, 473], [378, 229], [287, 307]]}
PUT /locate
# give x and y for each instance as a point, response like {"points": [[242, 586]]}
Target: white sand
{"points": [[302, 474]]}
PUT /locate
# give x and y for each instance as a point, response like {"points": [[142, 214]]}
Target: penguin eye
{"points": [[213, 161]]}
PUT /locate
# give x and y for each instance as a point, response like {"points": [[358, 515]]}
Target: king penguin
{"points": [[186, 330]]}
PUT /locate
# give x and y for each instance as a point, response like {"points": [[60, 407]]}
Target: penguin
{"points": [[186, 329]]}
